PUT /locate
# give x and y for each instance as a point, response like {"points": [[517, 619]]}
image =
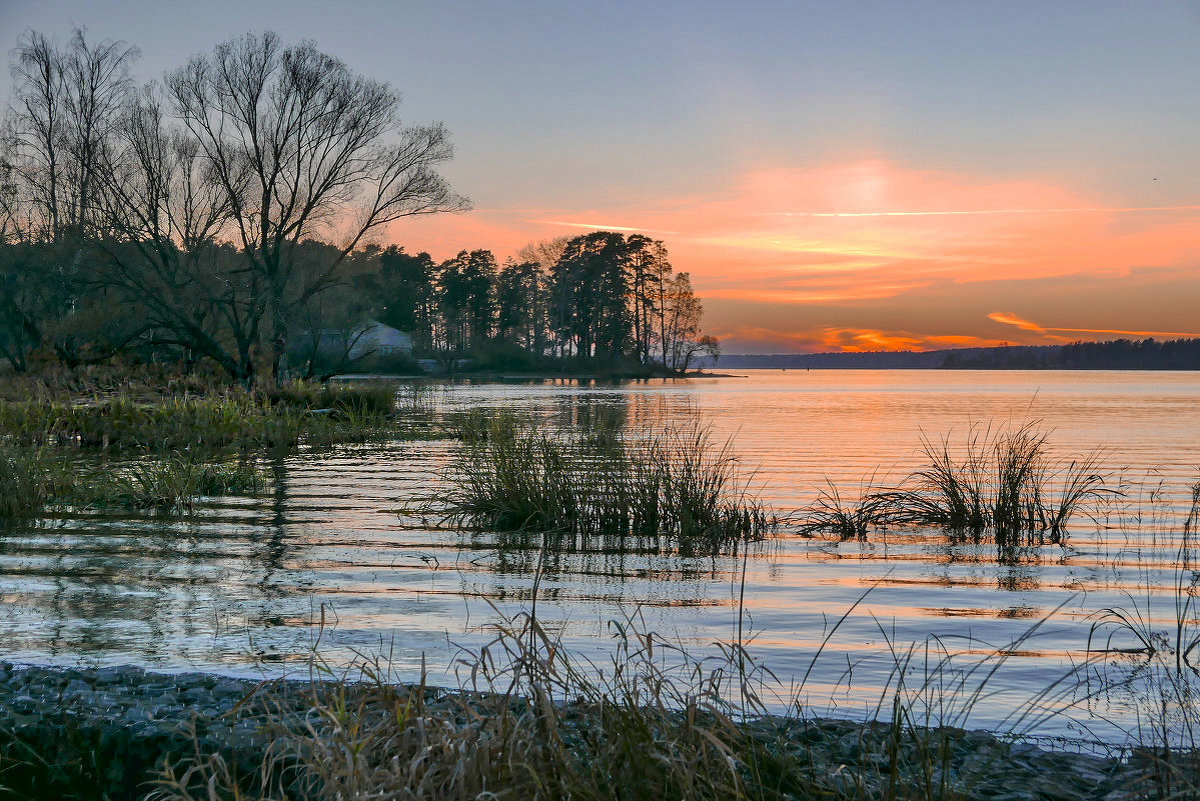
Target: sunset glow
{"points": [[871, 238]]}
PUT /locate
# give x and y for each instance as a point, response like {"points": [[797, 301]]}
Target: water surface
{"points": [[240, 585]]}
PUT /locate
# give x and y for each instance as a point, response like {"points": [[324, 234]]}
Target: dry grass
{"points": [[674, 489], [1001, 482]]}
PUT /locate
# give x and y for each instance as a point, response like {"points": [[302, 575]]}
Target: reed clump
{"points": [[31, 480], [373, 397], [1003, 482], [670, 489], [172, 484], [26, 482], [212, 422]]}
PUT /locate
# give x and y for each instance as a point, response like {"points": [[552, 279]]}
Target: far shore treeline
{"points": [[1118, 354], [226, 215]]}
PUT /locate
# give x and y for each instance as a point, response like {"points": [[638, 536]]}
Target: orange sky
{"points": [[870, 255]]}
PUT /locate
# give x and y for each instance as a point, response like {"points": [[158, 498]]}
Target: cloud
{"points": [[947, 213], [850, 340], [1007, 318], [872, 239], [603, 227]]}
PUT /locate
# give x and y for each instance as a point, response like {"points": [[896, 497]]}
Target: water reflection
{"points": [[239, 585]]}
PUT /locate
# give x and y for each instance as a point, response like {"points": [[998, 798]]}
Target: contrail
{"points": [[602, 227], [946, 213]]}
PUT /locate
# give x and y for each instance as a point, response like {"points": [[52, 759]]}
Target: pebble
{"points": [[228, 714]]}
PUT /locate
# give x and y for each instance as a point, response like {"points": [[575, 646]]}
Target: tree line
{"points": [[1117, 354], [601, 298], [226, 213]]}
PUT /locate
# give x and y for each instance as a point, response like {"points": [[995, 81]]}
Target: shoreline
{"points": [[499, 376], [119, 726]]}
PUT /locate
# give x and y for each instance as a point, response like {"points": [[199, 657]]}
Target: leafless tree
{"points": [[66, 102], [302, 147]]}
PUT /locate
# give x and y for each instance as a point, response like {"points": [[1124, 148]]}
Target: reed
{"points": [[530, 720], [371, 397], [844, 517], [672, 489], [23, 483], [1152, 661], [232, 420], [1002, 482], [174, 484]]}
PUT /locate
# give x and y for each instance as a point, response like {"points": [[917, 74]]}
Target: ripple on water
{"points": [[240, 584]]}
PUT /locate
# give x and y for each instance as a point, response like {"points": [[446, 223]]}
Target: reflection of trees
{"points": [[613, 572], [102, 583]]}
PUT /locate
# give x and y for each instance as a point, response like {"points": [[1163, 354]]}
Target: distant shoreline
{"points": [[1120, 354]]}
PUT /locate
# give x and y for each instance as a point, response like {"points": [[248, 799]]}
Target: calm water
{"points": [[238, 586]]}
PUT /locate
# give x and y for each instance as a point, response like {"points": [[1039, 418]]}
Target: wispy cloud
{"points": [[973, 212], [593, 226], [1008, 318]]}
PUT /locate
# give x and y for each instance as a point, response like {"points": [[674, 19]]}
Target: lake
{"points": [[241, 585]]}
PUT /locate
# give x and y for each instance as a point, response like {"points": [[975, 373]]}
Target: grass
{"points": [[25, 484], [1161, 672], [174, 484], [673, 489], [1003, 482], [845, 518], [297, 413], [530, 720], [32, 480]]}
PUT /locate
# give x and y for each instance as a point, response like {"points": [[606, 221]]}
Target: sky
{"points": [[834, 176]]}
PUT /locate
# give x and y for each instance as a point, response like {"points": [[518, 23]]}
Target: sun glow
{"points": [[876, 241]]}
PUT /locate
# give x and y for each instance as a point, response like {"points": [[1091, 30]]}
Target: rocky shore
{"points": [[107, 732]]}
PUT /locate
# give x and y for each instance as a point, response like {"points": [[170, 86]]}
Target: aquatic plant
{"points": [[1002, 482], [172, 484], [846, 519], [672, 488], [370, 397], [231, 420], [23, 485]]}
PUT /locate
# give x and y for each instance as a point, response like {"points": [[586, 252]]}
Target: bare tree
{"points": [[66, 103], [164, 211], [301, 147]]}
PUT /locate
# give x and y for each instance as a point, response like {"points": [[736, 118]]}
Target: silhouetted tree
{"points": [[465, 298], [299, 144]]}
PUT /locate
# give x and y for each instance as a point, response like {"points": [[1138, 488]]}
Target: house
{"points": [[371, 338]]}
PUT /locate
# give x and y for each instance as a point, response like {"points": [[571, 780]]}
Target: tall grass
{"points": [[532, 720], [1153, 660], [1001, 482], [673, 489], [234, 419], [371, 397], [172, 484], [33, 479], [24, 485]]}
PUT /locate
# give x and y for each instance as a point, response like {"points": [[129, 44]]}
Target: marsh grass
{"points": [[220, 421], [844, 516], [369, 397], [25, 482], [31, 480], [671, 489], [174, 484], [170, 424], [1002, 482], [532, 720], [1152, 660]]}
